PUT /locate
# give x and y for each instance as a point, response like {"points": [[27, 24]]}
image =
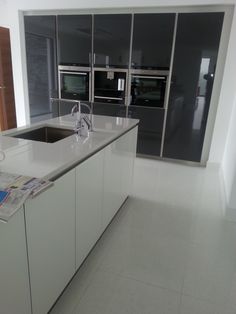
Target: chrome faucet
{"points": [[83, 123]]}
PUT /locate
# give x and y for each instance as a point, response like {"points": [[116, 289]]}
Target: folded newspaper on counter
{"points": [[15, 189]]}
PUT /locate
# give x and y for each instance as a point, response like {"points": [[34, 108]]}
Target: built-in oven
{"points": [[148, 88], [110, 85], [74, 83]]}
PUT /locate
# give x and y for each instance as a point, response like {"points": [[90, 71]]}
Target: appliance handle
{"points": [[150, 77], [113, 98], [73, 73]]}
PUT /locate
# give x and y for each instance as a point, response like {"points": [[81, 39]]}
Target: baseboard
{"points": [[228, 213], [213, 165]]}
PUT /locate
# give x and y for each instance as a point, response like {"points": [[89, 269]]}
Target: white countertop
{"points": [[49, 160]]}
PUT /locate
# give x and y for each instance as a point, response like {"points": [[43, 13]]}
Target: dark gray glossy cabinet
{"points": [[106, 109], [74, 39], [152, 41], [112, 40], [196, 50], [150, 129], [104, 41], [40, 39]]}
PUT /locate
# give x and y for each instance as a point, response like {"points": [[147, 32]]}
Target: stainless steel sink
{"points": [[45, 134]]}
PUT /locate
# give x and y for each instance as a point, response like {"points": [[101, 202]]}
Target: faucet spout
{"points": [[76, 108], [84, 122]]}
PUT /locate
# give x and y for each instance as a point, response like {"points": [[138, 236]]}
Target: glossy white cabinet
{"points": [[128, 145], [50, 229], [14, 280], [103, 182], [61, 226], [112, 183], [89, 196], [118, 174]]}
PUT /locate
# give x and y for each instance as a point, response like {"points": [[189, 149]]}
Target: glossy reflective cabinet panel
{"points": [[152, 41], [195, 59], [106, 109], [40, 40], [104, 41], [112, 40], [150, 129], [74, 39]]}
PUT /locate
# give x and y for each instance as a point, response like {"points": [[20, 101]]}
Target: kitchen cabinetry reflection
{"points": [[74, 40], [196, 50], [112, 40], [152, 40], [40, 40]]}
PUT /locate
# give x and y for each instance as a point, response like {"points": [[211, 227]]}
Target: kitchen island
{"points": [[44, 243]]}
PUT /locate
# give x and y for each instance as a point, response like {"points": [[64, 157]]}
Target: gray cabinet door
{"points": [[74, 39], [152, 40], [195, 59], [112, 40], [40, 40]]}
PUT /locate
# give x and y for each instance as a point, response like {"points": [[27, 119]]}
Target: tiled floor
{"points": [[168, 251]]}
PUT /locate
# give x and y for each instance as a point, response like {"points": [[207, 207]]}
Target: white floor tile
{"points": [[142, 255], [209, 274], [112, 294], [98, 296], [169, 250], [190, 305]]}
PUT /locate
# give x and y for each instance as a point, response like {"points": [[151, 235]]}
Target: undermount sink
{"points": [[44, 134]]}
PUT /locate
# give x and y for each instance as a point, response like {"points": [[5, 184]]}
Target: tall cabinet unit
{"points": [[151, 55], [74, 60], [195, 59], [111, 61], [41, 58], [155, 67]]}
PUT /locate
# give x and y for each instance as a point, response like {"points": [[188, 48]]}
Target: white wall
{"points": [[3, 14], [226, 101], [229, 162], [227, 133], [227, 95]]}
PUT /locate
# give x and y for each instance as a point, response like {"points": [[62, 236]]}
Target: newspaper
{"points": [[15, 189]]}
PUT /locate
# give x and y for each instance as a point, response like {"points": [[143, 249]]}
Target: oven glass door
{"points": [[148, 91], [74, 85]]}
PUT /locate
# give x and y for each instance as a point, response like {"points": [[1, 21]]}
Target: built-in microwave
{"points": [[148, 88], [74, 82], [110, 85]]}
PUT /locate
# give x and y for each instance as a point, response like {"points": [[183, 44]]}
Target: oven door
{"points": [[148, 90], [110, 86], [74, 85]]}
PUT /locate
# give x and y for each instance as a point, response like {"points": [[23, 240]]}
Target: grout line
{"points": [[180, 304], [119, 274]]}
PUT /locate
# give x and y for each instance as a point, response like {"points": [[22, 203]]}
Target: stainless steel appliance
{"points": [[148, 88], [110, 85], [74, 82]]}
